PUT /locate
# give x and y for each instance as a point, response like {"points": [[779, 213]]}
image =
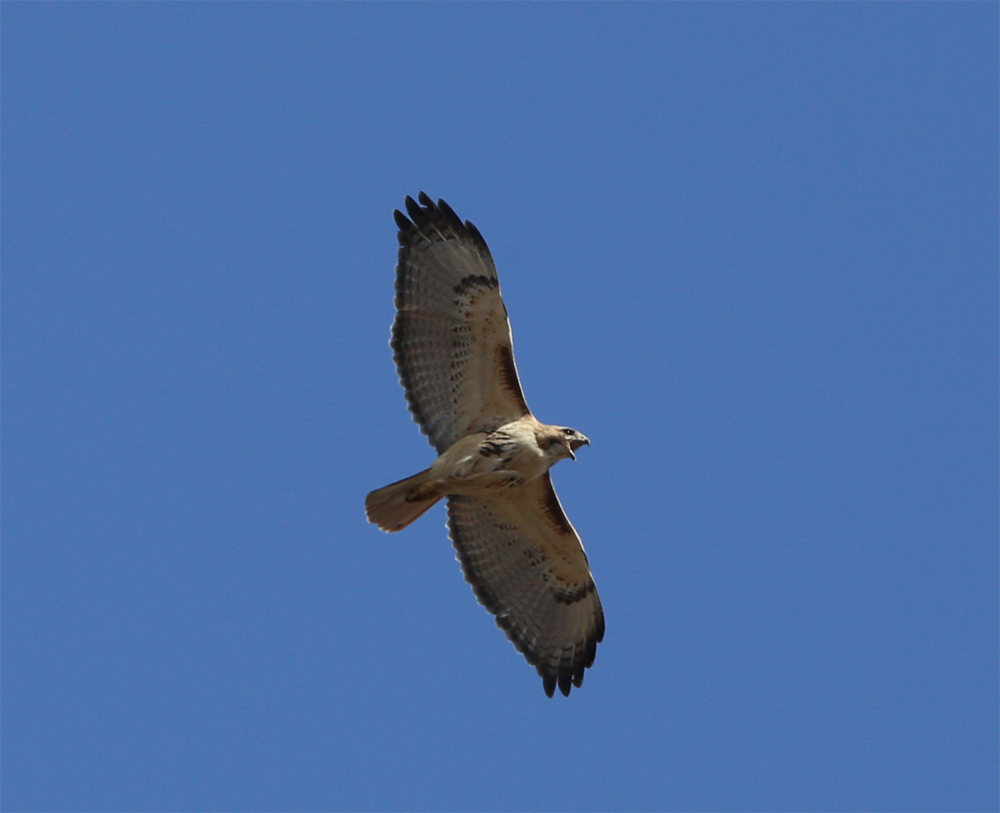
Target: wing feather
{"points": [[527, 566], [451, 338]]}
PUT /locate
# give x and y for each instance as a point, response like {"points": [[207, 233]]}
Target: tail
{"points": [[394, 507]]}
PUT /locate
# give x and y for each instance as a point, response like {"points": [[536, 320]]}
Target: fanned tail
{"points": [[395, 506]]}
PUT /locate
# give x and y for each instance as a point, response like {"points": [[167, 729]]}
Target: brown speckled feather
{"points": [[527, 566], [451, 339]]}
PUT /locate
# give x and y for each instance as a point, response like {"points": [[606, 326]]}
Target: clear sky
{"points": [[750, 250]]}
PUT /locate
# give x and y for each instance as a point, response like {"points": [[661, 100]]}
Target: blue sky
{"points": [[749, 249]]}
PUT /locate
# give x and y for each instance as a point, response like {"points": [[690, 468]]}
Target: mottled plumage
{"points": [[452, 346]]}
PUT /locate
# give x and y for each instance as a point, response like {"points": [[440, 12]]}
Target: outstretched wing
{"points": [[451, 339], [526, 565]]}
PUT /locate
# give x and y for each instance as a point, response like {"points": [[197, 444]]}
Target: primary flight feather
{"points": [[452, 346]]}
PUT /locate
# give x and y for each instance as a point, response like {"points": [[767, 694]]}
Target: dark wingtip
{"points": [[401, 220], [427, 211], [599, 632], [549, 684], [565, 683], [414, 211], [475, 235], [449, 215]]}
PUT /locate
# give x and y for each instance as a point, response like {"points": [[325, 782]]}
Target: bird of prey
{"points": [[452, 346]]}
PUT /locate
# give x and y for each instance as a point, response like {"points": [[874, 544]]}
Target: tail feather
{"points": [[389, 507]]}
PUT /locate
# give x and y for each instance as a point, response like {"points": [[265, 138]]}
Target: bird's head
{"points": [[569, 440]]}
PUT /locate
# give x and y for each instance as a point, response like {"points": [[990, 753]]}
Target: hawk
{"points": [[452, 346]]}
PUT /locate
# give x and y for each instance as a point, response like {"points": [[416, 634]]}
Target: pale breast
{"points": [[513, 447]]}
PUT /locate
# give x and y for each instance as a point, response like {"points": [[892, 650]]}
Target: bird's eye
{"points": [[568, 431]]}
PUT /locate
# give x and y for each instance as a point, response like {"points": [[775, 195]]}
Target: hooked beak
{"points": [[576, 443]]}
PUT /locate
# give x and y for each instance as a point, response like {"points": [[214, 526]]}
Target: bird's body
{"points": [[507, 457], [453, 349], [480, 463]]}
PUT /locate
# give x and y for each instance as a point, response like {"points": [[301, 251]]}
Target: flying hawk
{"points": [[452, 346]]}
